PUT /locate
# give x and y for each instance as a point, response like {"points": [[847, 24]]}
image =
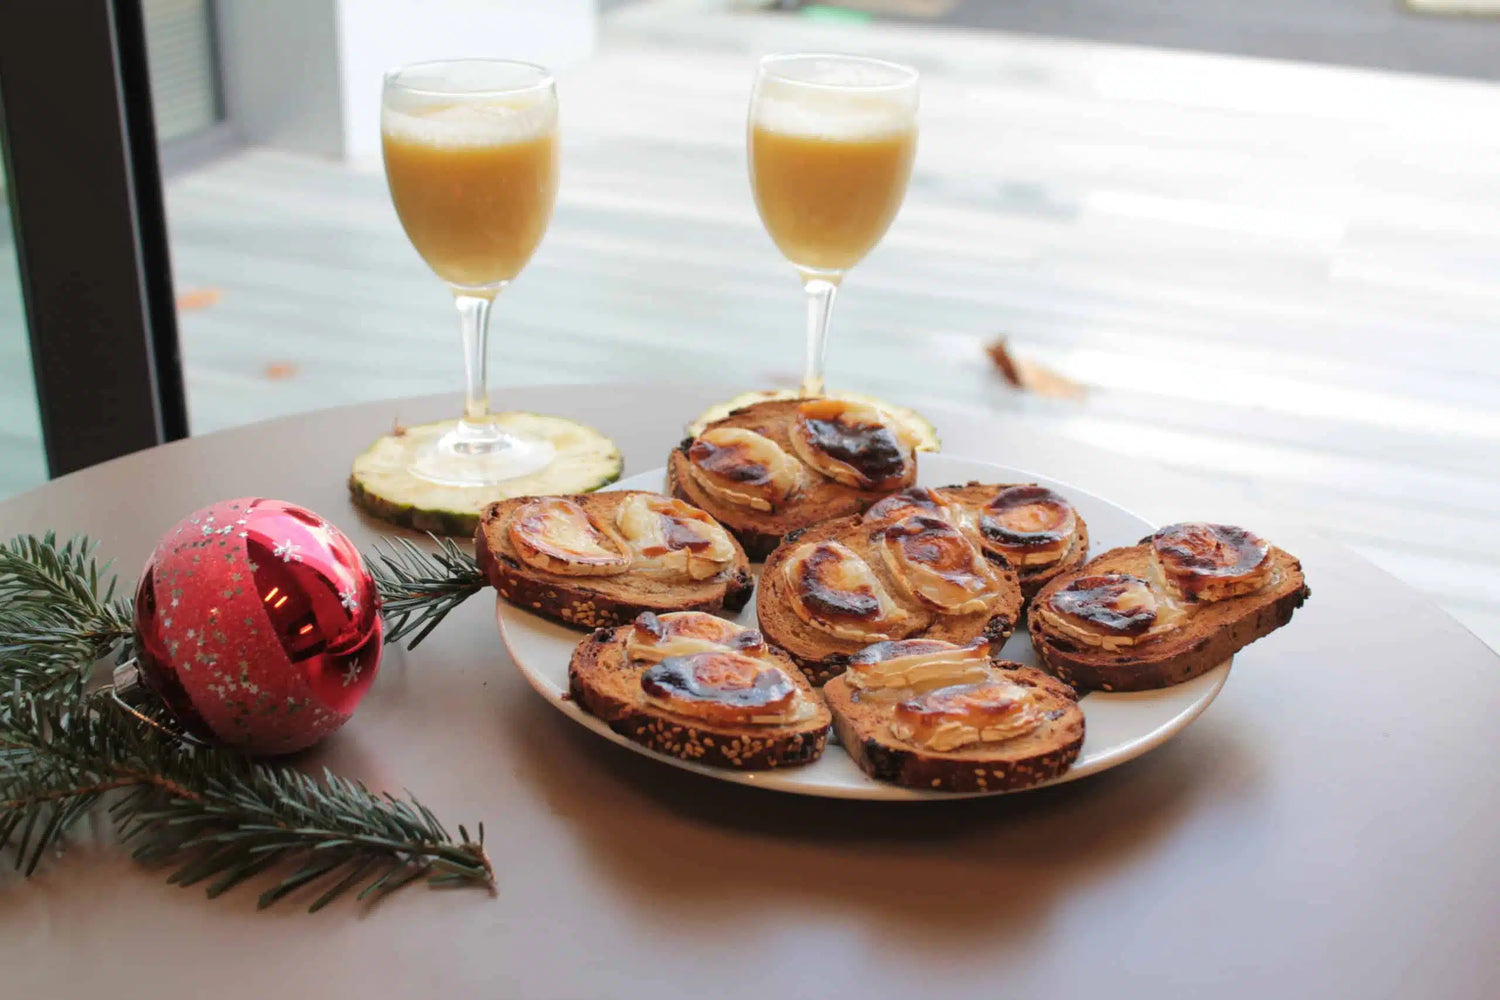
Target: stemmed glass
{"points": [[831, 143], [471, 158]]}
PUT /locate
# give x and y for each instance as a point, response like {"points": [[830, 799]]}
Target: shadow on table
{"points": [[942, 872]]}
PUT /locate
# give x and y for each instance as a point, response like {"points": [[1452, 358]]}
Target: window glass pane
{"points": [[22, 462], [1234, 267], [296, 287], [183, 80]]}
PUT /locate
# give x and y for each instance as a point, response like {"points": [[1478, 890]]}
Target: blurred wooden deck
{"points": [[1283, 276]]}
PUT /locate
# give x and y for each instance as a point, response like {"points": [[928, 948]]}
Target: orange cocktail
{"points": [[471, 159], [831, 141], [827, 198], [474, 185]]}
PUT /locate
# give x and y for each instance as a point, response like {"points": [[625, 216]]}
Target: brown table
{"points": [[1327, 829]]}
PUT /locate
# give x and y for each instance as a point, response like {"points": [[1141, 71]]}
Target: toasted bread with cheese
{"points": [[1035, 529], [830, 590], [1008, 729], [783, 464], [1164, 611], [597, 559], [918, 426], [700, 688]]}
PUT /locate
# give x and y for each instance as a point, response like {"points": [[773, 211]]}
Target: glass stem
{"points": [[820, 292], [474, 319]]}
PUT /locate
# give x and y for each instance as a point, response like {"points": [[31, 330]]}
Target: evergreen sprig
{"points": [[419, 587], [56, 619], [210, 811]]}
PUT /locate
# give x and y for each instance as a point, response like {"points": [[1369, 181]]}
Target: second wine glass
{"points": [[831, 140], [470, 149]]}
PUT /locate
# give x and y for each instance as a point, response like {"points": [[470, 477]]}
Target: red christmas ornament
{"points": [[258, 625]]}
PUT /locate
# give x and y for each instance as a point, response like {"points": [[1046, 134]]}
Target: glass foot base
{"points": [[382, 482], [473, 454]]}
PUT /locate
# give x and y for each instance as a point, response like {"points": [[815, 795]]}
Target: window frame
{"points": [[90, 228]]}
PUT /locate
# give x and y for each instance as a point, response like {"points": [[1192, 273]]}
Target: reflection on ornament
{"points": [[258, 625]]}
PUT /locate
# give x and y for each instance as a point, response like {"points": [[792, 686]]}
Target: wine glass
{"points": [[471, 158], [831, 140]]}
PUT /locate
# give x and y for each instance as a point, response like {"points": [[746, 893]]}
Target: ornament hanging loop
{"points": [[126, 686]]}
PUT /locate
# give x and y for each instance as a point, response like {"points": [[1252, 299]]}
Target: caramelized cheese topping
{"points": [[743, 468], [835, 591], [938, 565], [674, 538], [556, 535], [913, 500], [852, 443], [918, 665], [1111, 611], [1117, 603], [1209, 562], [991, 711], [723, 688], [1030, 525], [654, 637]]}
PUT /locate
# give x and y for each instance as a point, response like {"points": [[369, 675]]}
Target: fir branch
{"points": [[58, 615], [419, 587], [213, 813], [210, 811]]}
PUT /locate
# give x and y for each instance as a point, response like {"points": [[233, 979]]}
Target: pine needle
{"points": [[55, 621], [214, 815], [419, 587]]}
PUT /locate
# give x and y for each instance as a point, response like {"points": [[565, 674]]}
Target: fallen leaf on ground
{"points": [[1029, 376], [198, 298]]}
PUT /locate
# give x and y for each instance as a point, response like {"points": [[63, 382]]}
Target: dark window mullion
{"points": [[86, 201]]}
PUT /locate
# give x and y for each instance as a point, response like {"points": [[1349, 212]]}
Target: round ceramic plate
{"points": [[1119, 727]]}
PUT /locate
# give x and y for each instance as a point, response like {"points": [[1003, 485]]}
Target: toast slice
{"points": [[863, 724], [921, 429], [822, 656], [971, 497], [1203, 634], [606, 683], [819, 499], [595, 601]]}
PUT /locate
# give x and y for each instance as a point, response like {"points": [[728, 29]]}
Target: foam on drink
{"points": [[829, 169], [470, 123], [832, 114]]}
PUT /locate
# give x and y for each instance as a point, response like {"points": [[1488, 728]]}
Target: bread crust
{"points": [[761, 531], [822, 656], [596, 601], [863, 730], [603, 683], [1212, 633]]}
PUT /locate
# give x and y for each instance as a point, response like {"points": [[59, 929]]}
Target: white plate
{"points": [[1119, 727]]}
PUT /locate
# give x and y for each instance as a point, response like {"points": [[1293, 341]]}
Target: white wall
{"points": [[377, 35], [280, 74]]}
